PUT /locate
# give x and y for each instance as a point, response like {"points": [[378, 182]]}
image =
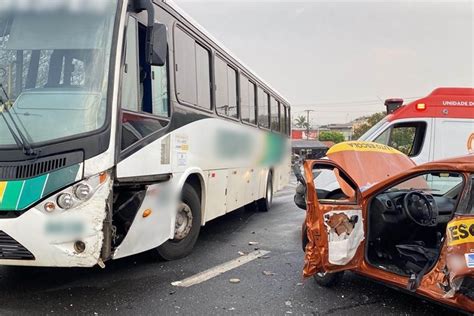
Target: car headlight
{"points": [[73, 196]]}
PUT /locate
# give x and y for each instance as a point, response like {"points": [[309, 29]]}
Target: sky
{"points": [[343, 58]]}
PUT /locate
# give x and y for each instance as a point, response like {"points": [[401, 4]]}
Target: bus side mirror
{"points": [[158, 45]]}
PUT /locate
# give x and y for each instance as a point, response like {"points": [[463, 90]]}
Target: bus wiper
{"points": [[10, 128], [22, 141]]}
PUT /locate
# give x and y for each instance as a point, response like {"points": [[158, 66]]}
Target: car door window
{"points": [[331, 187]]}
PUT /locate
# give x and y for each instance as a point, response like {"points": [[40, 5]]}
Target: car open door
{"points": [[334, 225], [335, 219]]}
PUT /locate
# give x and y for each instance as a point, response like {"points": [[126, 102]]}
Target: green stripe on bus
{"points": [[59, 179], [32, 191], [11, 195], [19, 195]]}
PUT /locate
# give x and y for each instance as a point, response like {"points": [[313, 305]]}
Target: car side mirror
{"points": [[157, 51], [300, 196]]}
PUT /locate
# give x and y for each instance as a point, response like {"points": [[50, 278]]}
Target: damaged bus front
{"points": [[408, 226], [60, 66]]}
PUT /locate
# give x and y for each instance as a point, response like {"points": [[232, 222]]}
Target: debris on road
{"points": [[268, 273], [253, 243], [234, 281], [241, 253]]}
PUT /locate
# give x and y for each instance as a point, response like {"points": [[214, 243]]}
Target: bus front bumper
{"points": [[64, 238]]}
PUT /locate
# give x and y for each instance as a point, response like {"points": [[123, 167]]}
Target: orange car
{"points": [[408, 226]]}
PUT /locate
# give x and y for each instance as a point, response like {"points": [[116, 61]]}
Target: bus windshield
{"points": [[53, 69]]}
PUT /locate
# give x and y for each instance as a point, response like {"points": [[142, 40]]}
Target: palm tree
{"points": [[300, 122]]}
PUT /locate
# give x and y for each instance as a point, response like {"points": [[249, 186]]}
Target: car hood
{"points": [[369, 163]]}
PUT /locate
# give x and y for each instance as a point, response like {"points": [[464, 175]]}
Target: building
{"points": [[302, 133], [345, 129]]}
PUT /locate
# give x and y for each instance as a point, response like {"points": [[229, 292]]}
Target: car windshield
{"points": [[438, 184], [371, 131], [54, 65]]}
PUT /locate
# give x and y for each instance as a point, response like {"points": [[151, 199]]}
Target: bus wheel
{"points": [[265, 204], [187, 227]]}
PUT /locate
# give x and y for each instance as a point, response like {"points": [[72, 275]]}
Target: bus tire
{"points": [[265, 204], [183, 243], [251, 207]]}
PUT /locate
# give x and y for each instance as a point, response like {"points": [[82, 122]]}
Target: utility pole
{"points": [[307, 122]]}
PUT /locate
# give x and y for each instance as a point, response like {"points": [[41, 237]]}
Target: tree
{"points": [[335, 137], [371, 121], [300, 122]]}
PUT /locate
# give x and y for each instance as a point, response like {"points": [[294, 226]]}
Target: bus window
{"points": [[144, 90], [275, 114], [160, 91], [263, 117], [185, 67], [252, 105], [130, 75], [226, 89], [282, 118], [232, 88], [247, 100], [193, 80], [203, 69], [244, 98], [288, 121]]}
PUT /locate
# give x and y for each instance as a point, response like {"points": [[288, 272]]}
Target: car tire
{"points": [[328, 279], [265, 204], [183, 243]]}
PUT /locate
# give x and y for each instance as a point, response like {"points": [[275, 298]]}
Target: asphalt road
{"points": [[141, 285]]}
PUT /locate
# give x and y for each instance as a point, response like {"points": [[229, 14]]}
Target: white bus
{"points": [[125, 127]]}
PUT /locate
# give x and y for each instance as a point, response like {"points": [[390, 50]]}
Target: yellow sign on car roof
{"points": [[362, 146]]}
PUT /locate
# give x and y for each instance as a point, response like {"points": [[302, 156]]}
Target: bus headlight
{"points": [[83, 191], [75, 195], [65, 201]]}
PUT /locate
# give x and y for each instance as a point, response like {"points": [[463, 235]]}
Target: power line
{"points": [[342, 111], [348, 103]]}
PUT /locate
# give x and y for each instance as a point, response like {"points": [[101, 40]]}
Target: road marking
{"points": [[218, 270]]}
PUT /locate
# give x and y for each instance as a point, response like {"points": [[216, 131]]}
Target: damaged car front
{"points": [[408, 226]]}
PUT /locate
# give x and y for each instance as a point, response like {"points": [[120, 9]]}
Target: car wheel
{"points": [[265, 204], [328, 279], [187, 227]]}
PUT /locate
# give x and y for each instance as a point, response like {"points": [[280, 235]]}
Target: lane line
{"points": [[220, 269]]}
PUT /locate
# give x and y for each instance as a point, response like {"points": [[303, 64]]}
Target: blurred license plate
{"points": [[64, 228]]}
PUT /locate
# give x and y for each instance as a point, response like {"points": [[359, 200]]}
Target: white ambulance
{"points": [[438, 126]]}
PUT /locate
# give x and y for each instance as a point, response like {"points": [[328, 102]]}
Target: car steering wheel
{"points": [[420, 209]]}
